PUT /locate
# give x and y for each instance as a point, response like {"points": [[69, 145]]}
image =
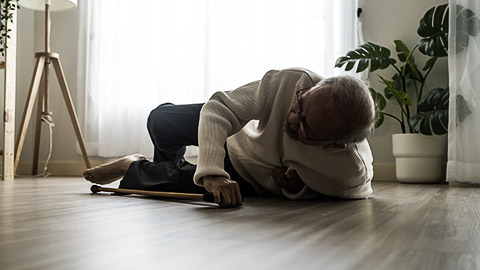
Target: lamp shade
{"points": [[55, 5]]}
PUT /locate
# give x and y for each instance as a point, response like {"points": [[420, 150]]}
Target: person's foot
{"points": [[112, 171]]}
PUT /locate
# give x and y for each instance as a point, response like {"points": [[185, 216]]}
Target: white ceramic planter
{"points": [[419, 158]]}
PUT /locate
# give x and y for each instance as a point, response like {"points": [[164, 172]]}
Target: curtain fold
{"points": [[464, 68], [136, 57]]}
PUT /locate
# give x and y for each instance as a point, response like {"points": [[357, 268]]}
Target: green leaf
{"points": [[402, 50], [429, 64], [406, 56], [433, 28], [412, 72], [380, 118], [374, 65], [397, 82], [380, 104], [467, 24], [349, 66], [432, 116], [362, 65], [368, 54], [462, 108], [388, 94], [379, 100], [401, 97]]}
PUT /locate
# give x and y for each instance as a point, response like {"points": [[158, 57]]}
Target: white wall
{"points": [[383, 20]]}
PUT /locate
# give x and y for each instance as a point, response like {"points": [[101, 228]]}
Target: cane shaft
{"points": [[188, 196]]}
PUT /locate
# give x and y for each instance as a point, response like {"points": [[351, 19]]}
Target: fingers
{"points": [[226, 192], [238, 195], [229, 195], [217, 197]]}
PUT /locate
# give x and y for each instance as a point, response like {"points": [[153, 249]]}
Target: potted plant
{"points": [[420, 149]]}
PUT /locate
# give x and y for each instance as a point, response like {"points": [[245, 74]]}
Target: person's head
{"points": [[337, 110]]}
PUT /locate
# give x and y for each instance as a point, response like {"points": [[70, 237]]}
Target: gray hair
{"points": [[355, 107]]}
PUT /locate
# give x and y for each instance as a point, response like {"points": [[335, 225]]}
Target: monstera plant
{"points": [[420, 111]]}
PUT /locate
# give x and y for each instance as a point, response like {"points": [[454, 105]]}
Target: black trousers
{"points": [[172, 128]]}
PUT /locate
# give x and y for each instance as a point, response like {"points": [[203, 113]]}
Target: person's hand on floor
{"points": [[292, 183], [226, 192]]}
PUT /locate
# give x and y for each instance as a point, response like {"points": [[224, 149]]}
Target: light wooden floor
{"points": [[55, 223]]}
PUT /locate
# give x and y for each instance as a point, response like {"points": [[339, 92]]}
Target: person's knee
{"points": [[158, 117]]}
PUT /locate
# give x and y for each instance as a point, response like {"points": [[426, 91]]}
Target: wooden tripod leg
{"points": [[27, 113], [71, 109], [38, 124]]}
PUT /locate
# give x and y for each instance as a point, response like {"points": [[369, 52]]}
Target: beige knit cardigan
{"points": [[251, 120]]}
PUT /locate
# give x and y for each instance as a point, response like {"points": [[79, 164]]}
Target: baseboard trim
{"points": [[57, 168], [458, 184], [382, 171]]}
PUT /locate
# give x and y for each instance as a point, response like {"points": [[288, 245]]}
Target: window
{"points": [[182, 51]]}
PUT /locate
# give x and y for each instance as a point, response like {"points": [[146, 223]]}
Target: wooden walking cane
{"points": [[206, 197]]}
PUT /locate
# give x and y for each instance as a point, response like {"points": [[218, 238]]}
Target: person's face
{"points": [[310, 119]]}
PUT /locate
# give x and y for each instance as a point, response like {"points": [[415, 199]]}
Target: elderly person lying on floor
{"points": [[291, 134]]}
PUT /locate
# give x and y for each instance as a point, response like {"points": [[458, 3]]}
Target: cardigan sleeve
{"points": [[225, 114]]}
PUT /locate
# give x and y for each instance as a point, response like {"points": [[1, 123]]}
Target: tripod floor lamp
{"points": [[40, 85]]}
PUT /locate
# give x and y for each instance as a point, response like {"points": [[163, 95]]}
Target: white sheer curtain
{"points": [[139, 55], [464, 67]]}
